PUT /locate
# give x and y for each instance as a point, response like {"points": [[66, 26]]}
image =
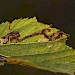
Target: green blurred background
{"points": [[61, 13]]}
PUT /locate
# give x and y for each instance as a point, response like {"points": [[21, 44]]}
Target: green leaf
{"points": [[4, 28], [27, 26], [32, 48], [46, 51]]}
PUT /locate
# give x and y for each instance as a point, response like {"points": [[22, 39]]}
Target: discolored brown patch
{"points": [[12, 37]]}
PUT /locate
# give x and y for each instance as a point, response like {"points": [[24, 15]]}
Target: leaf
{"points": [[32, 49], [4, 28], [37, 45], [27, 26]]}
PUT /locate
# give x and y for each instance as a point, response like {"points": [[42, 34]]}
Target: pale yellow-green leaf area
{"points": [[4, 28]]}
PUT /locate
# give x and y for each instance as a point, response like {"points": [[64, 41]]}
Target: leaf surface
{"points": [[51, 54]]}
